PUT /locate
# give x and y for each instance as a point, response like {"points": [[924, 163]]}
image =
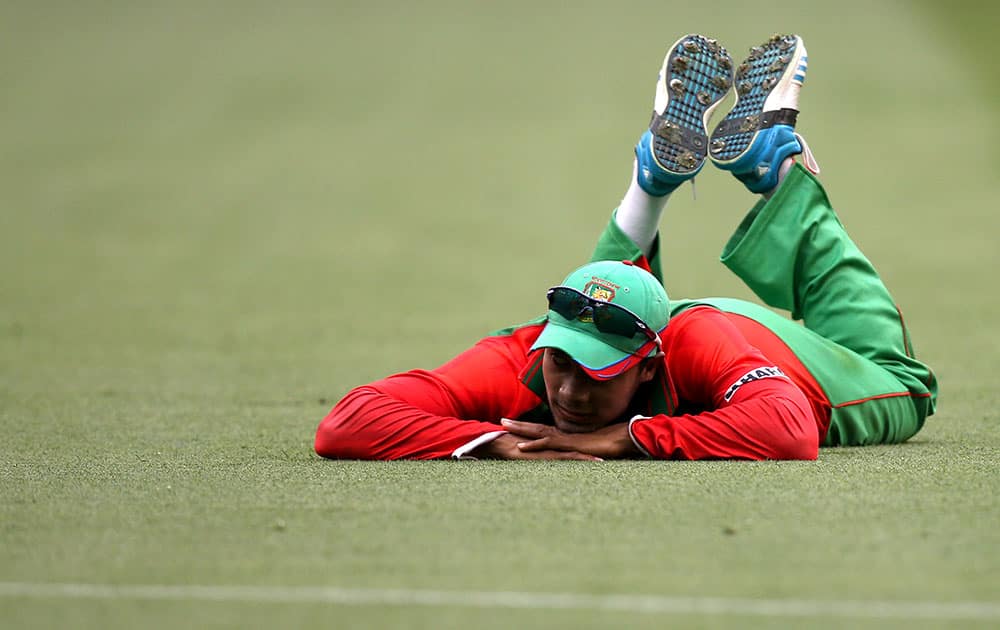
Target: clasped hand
{"points": [[529, 440]]}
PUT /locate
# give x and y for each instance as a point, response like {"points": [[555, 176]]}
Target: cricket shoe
{"points": [[697, 73], [758, 134]]}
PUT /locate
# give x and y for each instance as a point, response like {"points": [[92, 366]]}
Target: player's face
{"points": [[581, 404]]}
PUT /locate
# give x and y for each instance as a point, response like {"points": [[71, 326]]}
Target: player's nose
{"points": [[575, 389]]}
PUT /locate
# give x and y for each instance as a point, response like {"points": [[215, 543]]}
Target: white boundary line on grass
{"points": [[512, 599]]}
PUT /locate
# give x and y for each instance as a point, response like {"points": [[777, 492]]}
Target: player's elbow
{"points": [[799, 438], [337, 436], [328, 437], [797, 447]]}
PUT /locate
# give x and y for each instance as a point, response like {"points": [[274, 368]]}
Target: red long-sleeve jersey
{"points": [[728, 388]]}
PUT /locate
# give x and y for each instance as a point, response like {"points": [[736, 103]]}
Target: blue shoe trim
{"points": [[651, 177], [758, 167]]}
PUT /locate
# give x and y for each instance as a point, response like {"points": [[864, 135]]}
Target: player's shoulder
{"points": [[695, 316], [701, 326]]}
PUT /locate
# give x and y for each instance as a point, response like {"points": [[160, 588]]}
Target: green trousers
{"points": [[794, 253]]}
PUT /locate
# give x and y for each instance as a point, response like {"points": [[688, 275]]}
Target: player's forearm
{"points": [[367, 424], [773, 427]]}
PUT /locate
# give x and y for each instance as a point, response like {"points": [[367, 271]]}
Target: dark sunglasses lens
{"points": [[607, 318], [567, 303], [614, 321]]}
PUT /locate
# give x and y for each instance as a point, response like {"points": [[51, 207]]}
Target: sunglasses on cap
{"points": [[607, 317]]}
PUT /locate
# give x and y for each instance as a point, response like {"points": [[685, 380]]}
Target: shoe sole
{"points": [[759, 82], [696, 75]]}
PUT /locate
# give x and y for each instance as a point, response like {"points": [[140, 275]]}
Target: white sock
{"points": [[782, 172], [639, 214]]}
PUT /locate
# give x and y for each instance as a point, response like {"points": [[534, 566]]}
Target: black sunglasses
{"points": [[608, 318]]}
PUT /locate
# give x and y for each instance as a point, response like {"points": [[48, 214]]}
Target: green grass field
{"points": [[217, 218]]}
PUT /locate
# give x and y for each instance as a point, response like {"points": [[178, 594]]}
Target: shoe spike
{"points": [[749, 123], [669, 132], [687, 159]]}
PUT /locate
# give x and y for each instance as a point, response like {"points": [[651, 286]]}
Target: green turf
{"points": [[219, 217]]}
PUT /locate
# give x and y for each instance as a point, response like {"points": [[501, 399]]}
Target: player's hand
{"points": [[608, 442], [506, 447]]}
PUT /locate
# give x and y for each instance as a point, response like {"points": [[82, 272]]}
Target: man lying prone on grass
{"points": [[615, 369]]}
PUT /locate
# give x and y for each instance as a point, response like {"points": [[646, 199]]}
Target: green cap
{"points": [[605, 355]]}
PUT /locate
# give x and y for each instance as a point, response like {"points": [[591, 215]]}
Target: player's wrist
{"points": [[624, 446], [501, 447]]}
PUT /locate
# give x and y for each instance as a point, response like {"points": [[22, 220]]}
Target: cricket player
{"points": [[617, 370]]}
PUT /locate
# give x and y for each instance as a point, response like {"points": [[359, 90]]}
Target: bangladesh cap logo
{"points": [[599, 289]]}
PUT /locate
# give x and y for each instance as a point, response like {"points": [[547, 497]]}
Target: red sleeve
{"points": [[747, 408], [424, 414]]}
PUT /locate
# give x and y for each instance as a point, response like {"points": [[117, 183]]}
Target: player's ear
{"points": [[647, 369]]}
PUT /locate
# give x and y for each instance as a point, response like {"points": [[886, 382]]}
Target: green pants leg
{"points": [[793, 252]]}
